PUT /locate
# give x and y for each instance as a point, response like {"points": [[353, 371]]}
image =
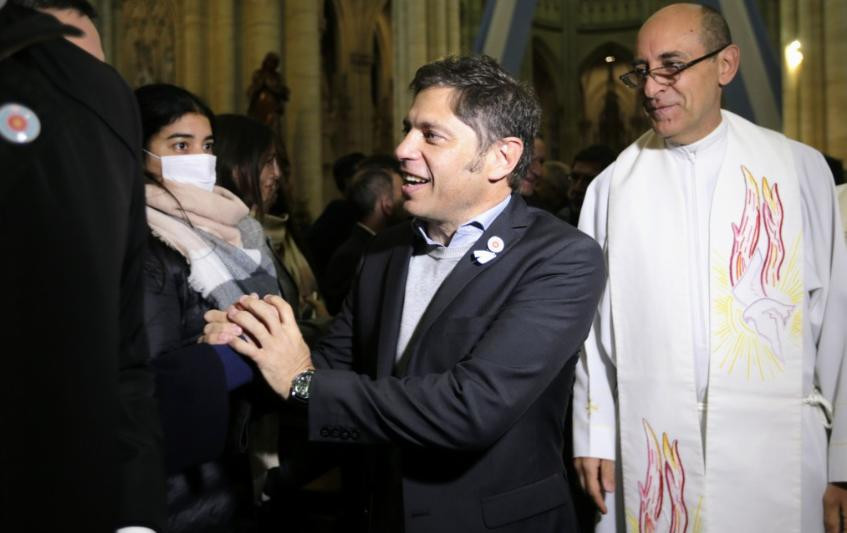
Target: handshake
{"points": [[266, 331]]}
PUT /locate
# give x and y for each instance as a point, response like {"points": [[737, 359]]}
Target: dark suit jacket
{"points": [[328, 232], [472, 429], [81, 443], [342, 267]]}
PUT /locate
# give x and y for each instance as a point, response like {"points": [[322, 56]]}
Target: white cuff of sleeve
{"points": [[593, 440], [135, 529], [837, 461]]}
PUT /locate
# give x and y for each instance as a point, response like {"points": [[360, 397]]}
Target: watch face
{"points": [[300, 386]]}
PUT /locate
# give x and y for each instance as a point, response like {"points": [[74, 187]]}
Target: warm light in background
{"points": [[610, 59], [793, 55]]}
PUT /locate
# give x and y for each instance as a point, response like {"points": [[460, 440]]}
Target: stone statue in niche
{"points": [[267, 94]]}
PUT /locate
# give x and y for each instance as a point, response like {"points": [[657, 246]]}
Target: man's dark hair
{"points": [[714, 31], [488, 100], [383, 161], [81, 6], [599, 154], [344, 168], [368, 186]]}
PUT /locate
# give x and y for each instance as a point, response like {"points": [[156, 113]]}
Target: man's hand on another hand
{"points": [[274, 339]]}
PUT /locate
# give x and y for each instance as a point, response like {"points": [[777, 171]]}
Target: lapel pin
{"points": [[496, 244], [18, 124], [483, 256]]}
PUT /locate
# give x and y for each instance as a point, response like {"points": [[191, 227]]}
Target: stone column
{"points": [[790, 104], [423, 31], [812, 80], [191, 59], [815, 95], [358, 25], [835, 82], [454, 28], [221, 56], [410, 52], [261, 32], [361, 127], [436, 28], [572, 110], [303, 112]]}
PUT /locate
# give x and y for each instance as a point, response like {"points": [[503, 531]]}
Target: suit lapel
{"points": [[509, 227], [394, 292]]}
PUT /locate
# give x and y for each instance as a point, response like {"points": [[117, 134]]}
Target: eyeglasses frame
{"points": [[625, 78]]}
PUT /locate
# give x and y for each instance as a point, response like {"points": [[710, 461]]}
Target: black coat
{"points": [[328, 232], [342, 268], [81, 438], [468, 437], [204, 423]]}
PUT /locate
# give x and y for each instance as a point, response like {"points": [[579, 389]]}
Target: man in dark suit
{"points": [[81, 444], [449, 357], [338, 218], [376, 195]]}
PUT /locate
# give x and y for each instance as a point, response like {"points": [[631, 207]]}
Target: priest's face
{"points": [[446, 178], [683, 108]]}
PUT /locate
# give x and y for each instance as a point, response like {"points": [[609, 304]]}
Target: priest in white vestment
{"points": [[710, 395]]}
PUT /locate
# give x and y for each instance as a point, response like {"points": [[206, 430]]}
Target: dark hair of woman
{"points": [[243, 147], [161, 104]]}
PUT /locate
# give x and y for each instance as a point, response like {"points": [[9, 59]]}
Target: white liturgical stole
{"points": [[733, 464]]}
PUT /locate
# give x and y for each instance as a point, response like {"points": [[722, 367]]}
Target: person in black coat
{"points": [[81, 448], [335, 223], [375, 193]]}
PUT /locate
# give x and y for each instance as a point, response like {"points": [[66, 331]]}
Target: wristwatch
{"points": [[300, 386]]}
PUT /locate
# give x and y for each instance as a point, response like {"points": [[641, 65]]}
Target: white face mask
{"points": [[193, 169]]}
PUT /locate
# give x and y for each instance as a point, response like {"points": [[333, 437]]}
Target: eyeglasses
{"points": [[665, 75]]}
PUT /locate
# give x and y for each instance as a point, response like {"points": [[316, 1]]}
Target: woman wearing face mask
{"points": [[205, 252]]}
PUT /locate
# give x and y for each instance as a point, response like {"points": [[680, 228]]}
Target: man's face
{"points": [[689, 108], [582, 173], [445, 178], [536, 167]]}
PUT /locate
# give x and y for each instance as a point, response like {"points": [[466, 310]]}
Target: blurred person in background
{"points": [[377, 195], [587, 165]]}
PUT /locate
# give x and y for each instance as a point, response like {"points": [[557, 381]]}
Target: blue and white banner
{"points": [[505, 32], [756, 93]]}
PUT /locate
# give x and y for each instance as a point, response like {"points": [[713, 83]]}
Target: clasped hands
{"points": [[266, 331]]}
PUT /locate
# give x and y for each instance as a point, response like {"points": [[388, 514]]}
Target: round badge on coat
{"points": [[18, 123], [496, 244]]}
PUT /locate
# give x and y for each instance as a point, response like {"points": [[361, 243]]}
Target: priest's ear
{"points": [[729, 59], [505, 154]]}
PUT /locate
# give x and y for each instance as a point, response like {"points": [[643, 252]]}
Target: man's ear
{"points": [[728, 62], [505, 154], [386, 205]]}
